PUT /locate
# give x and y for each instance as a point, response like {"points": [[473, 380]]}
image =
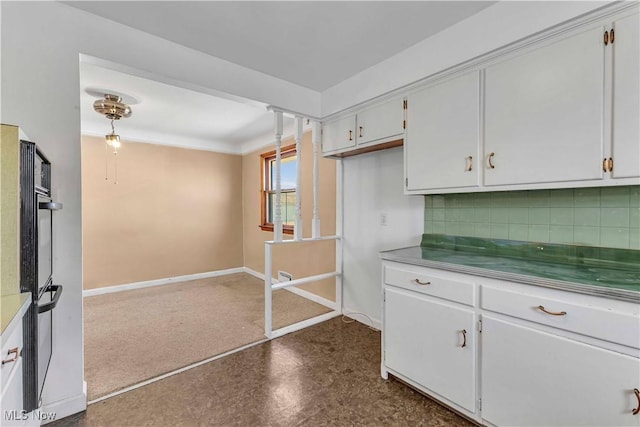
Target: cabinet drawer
{"points": [[430, 282], [595, 320], [13, 341]]}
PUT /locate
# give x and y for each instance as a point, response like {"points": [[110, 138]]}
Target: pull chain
{"points": [[106, 161], [115, 166]]}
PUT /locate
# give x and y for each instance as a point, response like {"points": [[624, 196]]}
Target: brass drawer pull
{"points": [[13, 351], [606, 38], [610, 164], [360, 134], [553, 313], [491, 165], [350, 135], [604, 165], [418, 282], [637, 410], [464, 338], [469, 167]]}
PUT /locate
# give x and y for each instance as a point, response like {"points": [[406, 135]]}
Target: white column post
{"points": [[315, 138], [267, 291], [339, 232], [297, 228], [277, 221]]}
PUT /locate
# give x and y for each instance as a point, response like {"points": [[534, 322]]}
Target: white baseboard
{"points": [[301, 292], [313, 297], [159, 282], [362, 318], [64, 408], [254, 273]]}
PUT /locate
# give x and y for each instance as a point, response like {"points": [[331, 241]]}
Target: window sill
{"points": [[286, 229]]}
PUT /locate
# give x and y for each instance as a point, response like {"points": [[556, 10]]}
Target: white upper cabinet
{"points": [[339, 134], [626, 98], [382, 121], [544, 113], [373, 126], [443, 134]]}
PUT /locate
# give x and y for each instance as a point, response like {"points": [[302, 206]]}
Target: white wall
{"points": [[491, 28], [41, 45], [373, 185]]}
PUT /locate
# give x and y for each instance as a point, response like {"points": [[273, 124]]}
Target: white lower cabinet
{"points": [[535, 378], [431, 343], [11, 375], [532, 356]]}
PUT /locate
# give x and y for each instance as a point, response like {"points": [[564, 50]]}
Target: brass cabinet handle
{"points": [[610, 164], [491, 166], [464, 338], [611, 36], [13, 351], [350, 135], [418, 282], [553, 313], [469, 167], [606, 38], [604, 165], [637, 410], [360, 134]]}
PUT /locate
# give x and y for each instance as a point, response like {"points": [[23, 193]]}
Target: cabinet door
{"points": [[442, 136], [626, 98], [11, 399], [339, 134], [544, 113], [423, 341], [534, 378], [381, 122]]}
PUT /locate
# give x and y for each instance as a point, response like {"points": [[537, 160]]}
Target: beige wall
{"points": [[300, 259], [173, 212], [9, 209]]}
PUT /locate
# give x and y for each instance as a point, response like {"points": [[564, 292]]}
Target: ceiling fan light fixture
{"points": [[112, 107]]}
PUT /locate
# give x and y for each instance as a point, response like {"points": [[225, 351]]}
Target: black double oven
{"points": [[37, 212]]}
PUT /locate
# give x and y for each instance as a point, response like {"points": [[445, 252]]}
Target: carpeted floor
{"points": [[132, 336]]}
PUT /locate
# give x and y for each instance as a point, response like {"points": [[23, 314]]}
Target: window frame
{"points": [[265, 158]]}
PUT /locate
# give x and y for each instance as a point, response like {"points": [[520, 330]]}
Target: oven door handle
{"points": [[51, 206], [52, 304]]}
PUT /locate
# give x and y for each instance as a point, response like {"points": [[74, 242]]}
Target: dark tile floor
{"points": [[324, 375]]}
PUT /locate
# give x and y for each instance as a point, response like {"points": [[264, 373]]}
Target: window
{"points": [[288, 173]]}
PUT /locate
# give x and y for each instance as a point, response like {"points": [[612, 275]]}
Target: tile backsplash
{"points": [[605, 216]]}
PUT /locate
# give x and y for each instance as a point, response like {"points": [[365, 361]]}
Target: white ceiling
{"points": [[171, 115], [313, 44]]}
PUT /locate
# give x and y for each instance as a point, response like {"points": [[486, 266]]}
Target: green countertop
{"points": [[613, 273]]}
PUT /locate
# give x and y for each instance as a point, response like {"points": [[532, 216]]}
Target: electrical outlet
{"points": [[383, 219]]}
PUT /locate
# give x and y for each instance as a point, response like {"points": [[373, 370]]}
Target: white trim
{"points": [[315, 298], [362, 318], [301, 292], [65, 407], [304, 324], [303, 280], [177, 371], [254, 273], [306, 239], [159, 282]]}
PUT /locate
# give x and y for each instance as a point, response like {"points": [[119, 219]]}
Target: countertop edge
{"points": [[7, 329], [620, 294]]}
